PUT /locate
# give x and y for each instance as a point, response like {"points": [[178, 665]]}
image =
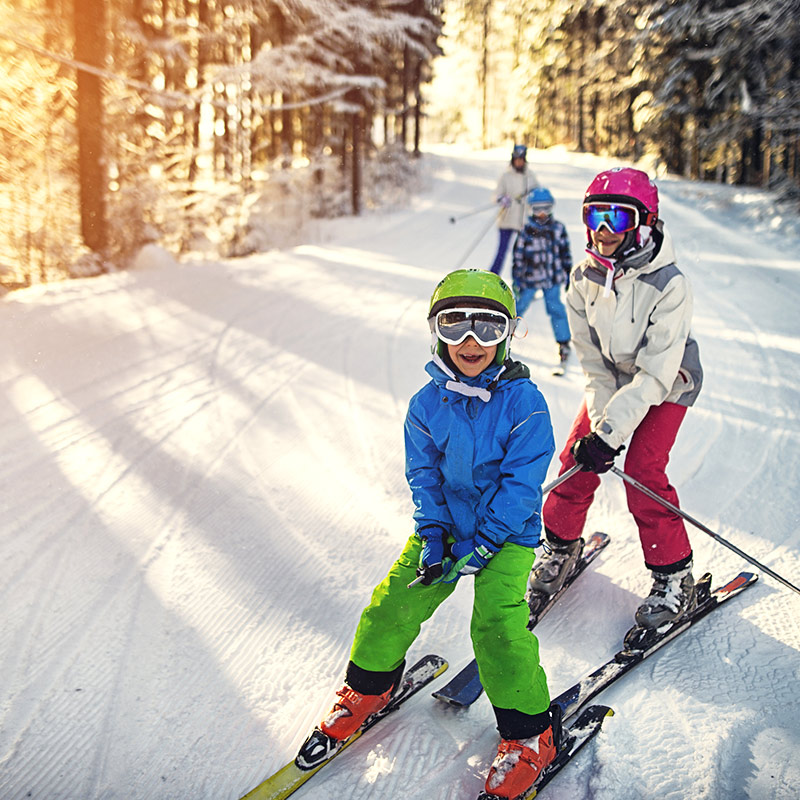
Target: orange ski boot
{"points": [[348, 714], [519, 763], [351, 710]]}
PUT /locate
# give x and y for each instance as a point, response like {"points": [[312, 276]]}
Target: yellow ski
{"points": [[290, 778]]}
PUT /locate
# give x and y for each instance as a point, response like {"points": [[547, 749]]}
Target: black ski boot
{"points": [[553, 568]]}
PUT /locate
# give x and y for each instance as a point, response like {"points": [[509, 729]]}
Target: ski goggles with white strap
{"points": [[487, 327], [617, 217]]}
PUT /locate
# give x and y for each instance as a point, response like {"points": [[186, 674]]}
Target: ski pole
{"points": [[475, 243], [653, 496], [478, 210], [545, 489], [561, 478]]}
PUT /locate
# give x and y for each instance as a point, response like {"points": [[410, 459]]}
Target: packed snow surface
{"points": [[202, 468]]}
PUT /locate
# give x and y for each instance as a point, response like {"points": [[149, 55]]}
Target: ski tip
{"points": [[742, 579], [431, 662], [592, 714], [443, 665]]}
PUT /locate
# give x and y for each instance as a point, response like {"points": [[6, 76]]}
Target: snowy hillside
{"points": [[202, 470]]}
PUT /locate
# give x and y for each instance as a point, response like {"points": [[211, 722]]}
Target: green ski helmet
{"points": [[466, 287]]}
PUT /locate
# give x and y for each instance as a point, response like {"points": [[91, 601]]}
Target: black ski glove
{"points": [[593, 454]]}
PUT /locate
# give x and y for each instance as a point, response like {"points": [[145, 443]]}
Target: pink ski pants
{"points": [[662, 532]]}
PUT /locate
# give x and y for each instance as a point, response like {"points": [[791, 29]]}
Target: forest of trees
{"points": [[180, 122], [128, 121], [709, 89]]}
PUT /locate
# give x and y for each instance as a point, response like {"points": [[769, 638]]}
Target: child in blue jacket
{"points": [[478, 445], [542, 259]]}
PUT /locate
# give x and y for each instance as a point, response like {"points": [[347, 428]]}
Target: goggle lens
{"points": [[453, 325], [617, 218]]}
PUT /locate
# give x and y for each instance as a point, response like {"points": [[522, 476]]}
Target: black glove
{"points": [[593, 454]]}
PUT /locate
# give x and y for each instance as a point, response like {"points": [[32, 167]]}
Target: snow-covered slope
{"points": [[202, 469]]}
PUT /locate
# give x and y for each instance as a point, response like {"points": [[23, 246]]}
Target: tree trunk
{"points": [[89, 48], [358, 155], [203, 57], [485, 76], [404, 92], [417, 107]]}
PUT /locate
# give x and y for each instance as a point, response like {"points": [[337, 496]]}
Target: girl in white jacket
{"points": [[629, 309]]}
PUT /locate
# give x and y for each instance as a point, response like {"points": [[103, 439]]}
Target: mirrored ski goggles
{"points": [[453, 325], [618, 218]]}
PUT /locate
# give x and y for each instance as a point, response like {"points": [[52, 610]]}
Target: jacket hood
{"points": [[665, 249]]}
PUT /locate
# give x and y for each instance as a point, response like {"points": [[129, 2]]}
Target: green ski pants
{"points": [[506, 651]]}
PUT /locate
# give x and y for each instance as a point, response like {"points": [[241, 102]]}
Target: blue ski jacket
{"points": [[477, 453]]}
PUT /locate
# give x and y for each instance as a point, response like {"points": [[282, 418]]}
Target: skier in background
{"points": [[512, 189], [630, 311], [478, 445], [542, 259]]}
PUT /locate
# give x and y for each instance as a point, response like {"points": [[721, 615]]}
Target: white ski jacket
{"points": [[634, 344], [515, 185]]}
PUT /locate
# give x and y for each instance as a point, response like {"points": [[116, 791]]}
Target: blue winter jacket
{"points": [[478, 463]]}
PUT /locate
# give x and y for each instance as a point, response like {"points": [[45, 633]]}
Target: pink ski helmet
{"points": [[630, 187], [626, 185]]}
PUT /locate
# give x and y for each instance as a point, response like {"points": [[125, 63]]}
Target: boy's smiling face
{"points": [[470, 357]]}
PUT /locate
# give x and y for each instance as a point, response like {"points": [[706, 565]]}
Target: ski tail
{"points": [[464, 689]]}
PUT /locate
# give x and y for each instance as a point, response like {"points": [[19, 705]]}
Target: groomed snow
{"points": [[202, 469]]}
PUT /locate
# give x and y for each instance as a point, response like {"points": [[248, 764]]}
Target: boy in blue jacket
{"points": [[478, 444]]}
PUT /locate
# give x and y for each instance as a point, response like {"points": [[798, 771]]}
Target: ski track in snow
{"points": [[203, 472]]}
